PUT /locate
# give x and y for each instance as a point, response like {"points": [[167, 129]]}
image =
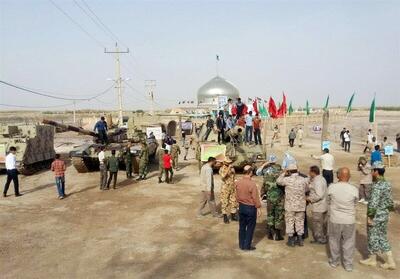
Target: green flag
{"points": [[290, 109], [307, 108], [326, 103], [372, 111], [349, 108]]}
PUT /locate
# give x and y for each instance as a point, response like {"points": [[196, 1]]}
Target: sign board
{"points": [[156, 131], [213, 150], [187, 125], [389, 150], [222, 101], [326, 144], [2, 153]]}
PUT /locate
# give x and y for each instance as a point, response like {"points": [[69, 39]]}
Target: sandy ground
{"points": [[150, 230]]}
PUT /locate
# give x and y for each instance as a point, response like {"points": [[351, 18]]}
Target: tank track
{"points": [[79, 164], [34, 168]]}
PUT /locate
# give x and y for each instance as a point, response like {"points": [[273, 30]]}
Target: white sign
{"points": [[156, 131], [222, 101], [389, 150], [326, 144]]}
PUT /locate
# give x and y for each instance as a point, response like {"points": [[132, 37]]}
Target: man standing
{"points": [[381, 203], [228, 191], [103, 169], [207, 183], [240, 108], [229, 123], [318, 192], [198, 156], [292, 137], [347, 141], [221, 126], [249, 208], [249, 127], [370, 141], [295, 203], [342, 136], [128, 160], [342, 200], [275, 135], [175, 152], [365, 180], [160, 156], [167, 162], [275, 198], [300, 135], [12, 172], [376, 156], [187, 146], [210, 127], [112, 166], [257, 129], [143, 161], [327, 162], [58, 167], [101, 128]]}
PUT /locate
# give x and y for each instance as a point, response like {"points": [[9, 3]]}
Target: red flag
{"points": [[255, 106], [272, 108], [245, 109], [283, 108]]}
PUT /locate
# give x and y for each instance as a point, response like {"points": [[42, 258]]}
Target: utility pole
{"points": [[150, 86], [118, 79]]}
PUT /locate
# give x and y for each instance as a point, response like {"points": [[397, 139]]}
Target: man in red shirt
{"points": [[248, 197], [58, 167], [167, 160], [257, 129]]}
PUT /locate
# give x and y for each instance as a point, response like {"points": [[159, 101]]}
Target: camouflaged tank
{"points": [[240, 153], [85, 157], [34, 143]]}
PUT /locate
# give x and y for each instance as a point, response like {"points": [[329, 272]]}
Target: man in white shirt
{"points": [[342, 200], [249, 127], [327, 163], [103, 169], [12, 172], [207, 183]]}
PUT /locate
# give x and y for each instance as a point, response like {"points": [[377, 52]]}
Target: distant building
{"points": [[215, 93]]}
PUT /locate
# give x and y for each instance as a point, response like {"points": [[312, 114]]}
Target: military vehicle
{"points": [[34, 143], [84, 157], [240, 153]]}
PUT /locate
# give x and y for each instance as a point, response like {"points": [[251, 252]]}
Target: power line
{"points": [[77, 24], [54, 96], [35, 107]]}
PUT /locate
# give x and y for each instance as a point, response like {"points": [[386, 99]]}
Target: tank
{"points": [[240, 153], [84, 157], [34, 143]]}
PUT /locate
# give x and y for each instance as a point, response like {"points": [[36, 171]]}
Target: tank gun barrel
{"points": [[70, 128]]}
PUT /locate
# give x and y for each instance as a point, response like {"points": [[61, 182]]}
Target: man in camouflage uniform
{"points": [[160, 154], [229, 203], [198, 155], [128, 160], [143, 162], [175, 151], [295, 203], [380, 203], [274, 196]]}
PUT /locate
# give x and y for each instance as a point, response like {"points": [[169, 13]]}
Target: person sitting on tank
{"points": [[101, 129]]}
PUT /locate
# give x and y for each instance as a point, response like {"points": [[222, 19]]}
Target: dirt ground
{"points": [[150, 230]]}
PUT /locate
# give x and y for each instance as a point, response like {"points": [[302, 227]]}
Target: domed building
{"points": [[216, 92]]}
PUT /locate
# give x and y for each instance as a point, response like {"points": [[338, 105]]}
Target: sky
{"points": [[308, 49]]}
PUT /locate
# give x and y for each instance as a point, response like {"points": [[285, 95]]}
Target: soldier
{"points": [[198, 155], [295, 203], [112, 166], [380, 203], [187, 145], [175, 151], [160, 155], [128, 160], [275, 197], [143, 162], [228, 191]]}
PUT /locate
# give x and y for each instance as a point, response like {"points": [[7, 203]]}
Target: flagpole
{"points": [[216, 64], [375, 120]]}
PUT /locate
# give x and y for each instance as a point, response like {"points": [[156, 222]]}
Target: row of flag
{"points": [[273, 111]]}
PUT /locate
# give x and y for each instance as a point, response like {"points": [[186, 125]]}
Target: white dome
{"points": [[208, 94]]}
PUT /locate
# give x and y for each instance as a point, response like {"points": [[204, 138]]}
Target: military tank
{"points": [[235, 149], [84, 157], [34, 143]]}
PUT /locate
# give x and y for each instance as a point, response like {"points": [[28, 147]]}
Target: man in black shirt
{"points": [[210, 126], [221, 125]]}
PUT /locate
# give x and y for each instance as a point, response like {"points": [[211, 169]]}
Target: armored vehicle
{"points": [[34, 143], [84, 157]]}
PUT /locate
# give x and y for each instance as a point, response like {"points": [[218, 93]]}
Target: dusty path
{"points": [[150, 230]]}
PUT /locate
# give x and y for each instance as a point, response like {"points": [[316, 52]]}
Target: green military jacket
{"points": [[112, 164], [175, 150], [381, 201], [127, 155], [274, 192], [144, 155]]}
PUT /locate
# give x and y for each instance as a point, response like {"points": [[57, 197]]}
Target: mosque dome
{"points": [[215, 91]]}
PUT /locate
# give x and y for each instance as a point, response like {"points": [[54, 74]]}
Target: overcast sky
{"points": [[308, 49]]}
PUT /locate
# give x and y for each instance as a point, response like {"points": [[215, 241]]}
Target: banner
{"points": [[156, 131], [213, 150], [186, 125]]}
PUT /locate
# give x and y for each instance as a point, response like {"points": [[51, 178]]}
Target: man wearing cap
{"points": [[295, 203], [228, 191], [379, 206], [327, 163], [275, 197], [249, 208], [175, 152]]}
